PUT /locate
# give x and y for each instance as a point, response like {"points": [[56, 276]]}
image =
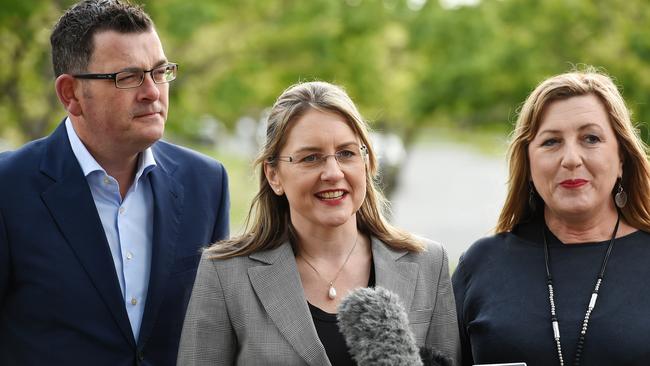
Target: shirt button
{"points": [[122, 209], [134, 301], [129, 255], [106, 180]]}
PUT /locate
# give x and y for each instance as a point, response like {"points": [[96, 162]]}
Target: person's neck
{"points": [[120, 162], [124, 174], [326, 242], [584, 228], [121, 167]]}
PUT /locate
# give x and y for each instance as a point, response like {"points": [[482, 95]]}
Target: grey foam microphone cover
{"points": [[376, 329]]}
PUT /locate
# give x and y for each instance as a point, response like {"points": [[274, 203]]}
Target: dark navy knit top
{"points": [[503, 306]]}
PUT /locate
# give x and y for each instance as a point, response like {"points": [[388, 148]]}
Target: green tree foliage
{"points": [[28, 104], [406, 63], [242, 54], [480, 63]]}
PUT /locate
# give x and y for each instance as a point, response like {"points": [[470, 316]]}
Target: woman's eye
{"points": [[310, 158], [345, 154], [550, 142], [592, 139]]}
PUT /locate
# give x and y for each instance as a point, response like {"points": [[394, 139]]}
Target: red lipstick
{"points": [[573, 183]]}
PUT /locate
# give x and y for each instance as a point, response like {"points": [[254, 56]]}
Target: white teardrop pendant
{"points": [[331, 293]]}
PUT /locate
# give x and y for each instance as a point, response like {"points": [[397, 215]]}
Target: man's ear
{"points": [[67, 93], [273, 178]]}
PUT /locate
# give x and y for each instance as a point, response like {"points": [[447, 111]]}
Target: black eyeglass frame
{"points": [[113, 76]]}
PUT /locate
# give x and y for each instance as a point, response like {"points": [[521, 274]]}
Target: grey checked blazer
{"points": [[251, 310]]}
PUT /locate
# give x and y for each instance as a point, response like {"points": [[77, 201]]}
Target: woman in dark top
{"points": [[565, 279], [316, 231]]}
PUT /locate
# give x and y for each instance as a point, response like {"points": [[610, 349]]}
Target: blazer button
{"points": [[140, 357]]}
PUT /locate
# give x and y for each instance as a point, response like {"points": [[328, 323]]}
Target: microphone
{"points": [[376, 329]]}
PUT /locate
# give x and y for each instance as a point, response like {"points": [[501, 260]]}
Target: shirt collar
{"points": [[146, 160]]}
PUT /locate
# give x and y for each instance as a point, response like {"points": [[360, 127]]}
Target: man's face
{"points": [[122, 121]]}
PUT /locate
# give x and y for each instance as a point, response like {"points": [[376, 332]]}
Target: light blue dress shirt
{"points": [[128, 223]]}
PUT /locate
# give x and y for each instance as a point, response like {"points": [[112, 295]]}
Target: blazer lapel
{"points": [[72, 207], [278, 286], [168, 204], [390, 273]]}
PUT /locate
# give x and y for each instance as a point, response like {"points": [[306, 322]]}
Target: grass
{"points": [[242, 182]]}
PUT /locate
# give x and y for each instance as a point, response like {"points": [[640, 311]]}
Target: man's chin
{"points": [[151, 139], [150, 135]]}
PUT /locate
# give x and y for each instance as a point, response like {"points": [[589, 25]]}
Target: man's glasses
{"points": [[345, 158], [133, 78]]}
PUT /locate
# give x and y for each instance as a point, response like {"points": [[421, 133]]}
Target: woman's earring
{"points": [[532, 200], [620, 198]]}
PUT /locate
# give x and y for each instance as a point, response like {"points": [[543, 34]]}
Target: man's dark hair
{"points": [[72, 36]]}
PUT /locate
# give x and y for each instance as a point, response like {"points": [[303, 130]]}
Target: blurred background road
{"points": [[449, 193]]}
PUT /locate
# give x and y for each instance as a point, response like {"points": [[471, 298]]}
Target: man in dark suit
{"points": [[100, 223]]}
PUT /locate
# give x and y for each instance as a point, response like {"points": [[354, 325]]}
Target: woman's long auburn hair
{"points": [[268, 224], [636, 170]]}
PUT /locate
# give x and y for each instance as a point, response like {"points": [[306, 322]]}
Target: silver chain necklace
{"points": [[592, 302], [331, 292]]}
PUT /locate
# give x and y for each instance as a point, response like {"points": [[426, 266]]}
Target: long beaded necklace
{"points": [[592, 302], [331, 292]]}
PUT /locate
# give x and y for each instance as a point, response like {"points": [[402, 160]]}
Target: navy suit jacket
{"points": [[60, 299]]}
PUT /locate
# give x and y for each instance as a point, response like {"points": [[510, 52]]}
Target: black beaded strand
{"points": [[555, 323]]}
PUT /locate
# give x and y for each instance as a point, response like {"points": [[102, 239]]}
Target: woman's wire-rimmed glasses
{"points": [[314, 160]]}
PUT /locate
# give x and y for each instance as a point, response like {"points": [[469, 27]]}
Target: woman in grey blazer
{"points": [[316, 231]]}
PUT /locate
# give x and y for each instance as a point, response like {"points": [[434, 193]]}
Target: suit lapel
{"points": [[73, 209], [390, 273], [278, 286], [168, 203]]}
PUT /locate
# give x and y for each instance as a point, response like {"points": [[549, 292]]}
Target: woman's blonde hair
{"points": [[636, 171], [268, 223]]}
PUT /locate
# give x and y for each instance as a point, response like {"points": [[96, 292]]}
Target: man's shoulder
{"points": [[167, 152], [25, 158], [189, 167]]}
